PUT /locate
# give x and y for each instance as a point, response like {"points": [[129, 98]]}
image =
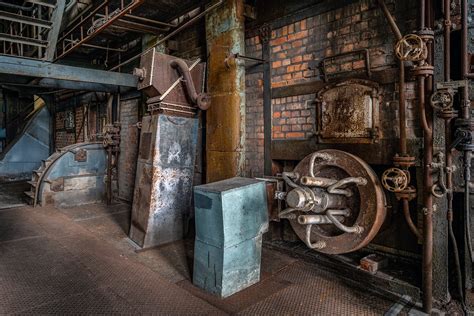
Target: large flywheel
{"points": [[335, 202]]}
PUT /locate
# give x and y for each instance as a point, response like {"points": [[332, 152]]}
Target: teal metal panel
{"points": [[231, 217], [230, 211], [226, 271]]}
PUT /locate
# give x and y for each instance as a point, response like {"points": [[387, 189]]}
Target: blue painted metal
{"points": [[231, 217], [64, 180], [163, 186], [33, 68], [24, 154], [3, 133]]}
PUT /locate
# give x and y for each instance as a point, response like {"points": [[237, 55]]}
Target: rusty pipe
{"points": [[449, 151], [199, 99], [406, 213], [465, 61], [401, 82], [390, 19]]}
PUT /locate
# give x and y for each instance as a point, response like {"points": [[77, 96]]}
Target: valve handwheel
{"points": [[395, 180], [442, 100], [411, 48]]}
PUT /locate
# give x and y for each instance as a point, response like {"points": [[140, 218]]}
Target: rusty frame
{"points": [[63, 49], [375, 99]]}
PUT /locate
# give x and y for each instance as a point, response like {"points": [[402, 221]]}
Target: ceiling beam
{"points": [[41, 69], [53, 34]]}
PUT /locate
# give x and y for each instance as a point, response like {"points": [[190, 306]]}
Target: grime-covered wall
{"points": [[129, 139], [299, 43]]}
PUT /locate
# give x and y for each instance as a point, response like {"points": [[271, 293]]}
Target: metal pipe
{"points": [[406, 213], [200, 99], [402, 109], [356, 229], [391, 21], [173, 33], [465, 61], [466, 115], [449, 151], [317, 181], [316, 219]]}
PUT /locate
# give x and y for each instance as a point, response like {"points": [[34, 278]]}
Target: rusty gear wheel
{"points": [[367, 203]]}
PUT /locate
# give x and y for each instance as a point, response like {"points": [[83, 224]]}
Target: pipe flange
{"points": [[447, 114], [408, 193], [423, 70], [426, 34], [404, 161]]}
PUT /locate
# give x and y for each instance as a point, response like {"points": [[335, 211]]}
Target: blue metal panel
{"points": [[231, 216], [163, 187], [70, 182], [224, 272], [230, 211], [25, 153]]}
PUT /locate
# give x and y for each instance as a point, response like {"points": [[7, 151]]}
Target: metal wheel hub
{"points": [[336, 203]]}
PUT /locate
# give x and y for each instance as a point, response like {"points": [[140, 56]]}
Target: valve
{"points": [[442, 99], [411, 48], [395, 180]]}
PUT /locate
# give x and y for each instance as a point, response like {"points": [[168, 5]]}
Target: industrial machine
{"points": [[335, 202], [167, 150]]}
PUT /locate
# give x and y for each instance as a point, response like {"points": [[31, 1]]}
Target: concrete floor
{"points": [[79, 260]]}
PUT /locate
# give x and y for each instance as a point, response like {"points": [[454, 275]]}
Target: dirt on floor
{"points": [[79, 260]]}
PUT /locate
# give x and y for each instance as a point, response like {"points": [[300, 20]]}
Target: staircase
{"points": [[31, 30], [37, 177]]}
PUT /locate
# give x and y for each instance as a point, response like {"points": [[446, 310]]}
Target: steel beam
{"points": [[42, 3], [24, 19], [34, 68], [22, 40], [53, 34], [72, 85]]}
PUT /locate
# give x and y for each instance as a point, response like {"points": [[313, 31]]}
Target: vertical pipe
{"points": [[427, 264], [449, 151], [109, 119], [267, 105], [402, 110]]}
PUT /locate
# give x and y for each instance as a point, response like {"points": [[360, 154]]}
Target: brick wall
{"points": [[297, 50], [63, 137], [129, 135]]}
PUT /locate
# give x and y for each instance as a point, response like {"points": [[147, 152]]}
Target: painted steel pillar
{"points": [[225, 129]]}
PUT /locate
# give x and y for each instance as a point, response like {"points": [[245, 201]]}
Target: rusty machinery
{"points": [[334, 201], [167, 149]]}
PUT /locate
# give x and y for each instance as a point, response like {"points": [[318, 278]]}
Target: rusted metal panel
{"points": [[162, 198], [348, 112], [157, 77]]}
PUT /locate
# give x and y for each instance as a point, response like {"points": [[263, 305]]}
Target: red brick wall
{"points": [[296, 51]]}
